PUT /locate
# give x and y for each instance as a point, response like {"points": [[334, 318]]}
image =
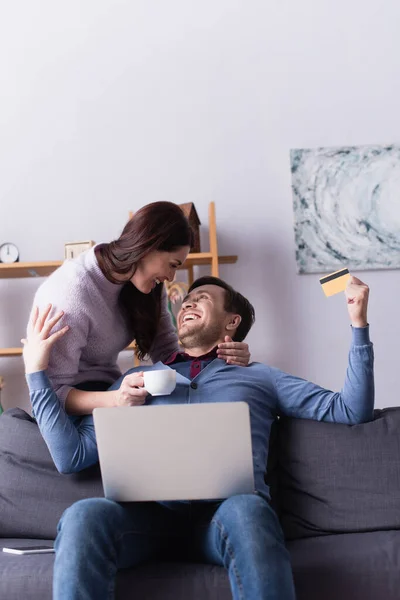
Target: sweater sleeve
{"points": [[66, 354], [71, 440], [354, 404], [166, 340]]}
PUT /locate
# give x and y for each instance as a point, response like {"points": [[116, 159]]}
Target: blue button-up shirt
{"points": [[267, 390]]}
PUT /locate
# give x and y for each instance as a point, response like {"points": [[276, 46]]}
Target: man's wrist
{"points": [[35, 367], [34, 370], [359, 323]]}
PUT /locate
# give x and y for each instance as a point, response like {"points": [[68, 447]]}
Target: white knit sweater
{"points": [[89, 350]]}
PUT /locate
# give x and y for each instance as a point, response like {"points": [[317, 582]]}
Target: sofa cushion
{"points": [[337, 478], [33, 495], [356, 566]]}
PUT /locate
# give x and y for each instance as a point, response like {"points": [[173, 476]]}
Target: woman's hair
{"points": [[160, 226]]}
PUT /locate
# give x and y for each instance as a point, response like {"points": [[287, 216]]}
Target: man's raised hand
{"points": [[39, 341], [357, 293]]}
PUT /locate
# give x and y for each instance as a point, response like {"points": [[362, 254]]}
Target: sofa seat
{"points": [[174, 581], [29, 577], [26, 576], [356, 566], [360, 566]]}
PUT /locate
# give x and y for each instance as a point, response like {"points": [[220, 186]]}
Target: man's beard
{"points": [[201, 337]]}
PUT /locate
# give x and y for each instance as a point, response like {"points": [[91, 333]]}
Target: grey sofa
{"points": [[336, 489]]}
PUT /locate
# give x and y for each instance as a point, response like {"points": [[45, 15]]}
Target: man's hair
{"points": [[234, 303]]}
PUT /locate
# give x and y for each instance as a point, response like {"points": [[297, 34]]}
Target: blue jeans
{"points": [[96, 537]]}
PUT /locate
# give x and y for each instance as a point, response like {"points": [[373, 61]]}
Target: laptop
{"points": [[175, 452]]}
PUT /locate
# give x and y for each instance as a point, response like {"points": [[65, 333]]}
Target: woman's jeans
{"points": [[96, 537]]}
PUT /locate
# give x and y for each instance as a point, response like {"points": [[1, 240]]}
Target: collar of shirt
{"points": [[183, 357]]}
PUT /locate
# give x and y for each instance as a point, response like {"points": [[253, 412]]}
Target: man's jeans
{"points": [[98, 536]]}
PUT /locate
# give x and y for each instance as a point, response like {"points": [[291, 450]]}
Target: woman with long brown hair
{"points": [[110, 295]]}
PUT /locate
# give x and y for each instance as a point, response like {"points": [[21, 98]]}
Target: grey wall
{"points": [[108, 105]]}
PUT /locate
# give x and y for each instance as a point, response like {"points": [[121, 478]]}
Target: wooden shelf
{"points": [[28, 269], [205, 258], [4, 352], [44, 268]]}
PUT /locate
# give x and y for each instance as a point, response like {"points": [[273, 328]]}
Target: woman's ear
{"points": [[233, 323]]}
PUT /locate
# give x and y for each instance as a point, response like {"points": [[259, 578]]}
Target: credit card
{"points": [[335, 282]]}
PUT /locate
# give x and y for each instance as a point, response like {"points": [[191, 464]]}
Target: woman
{"points": [[112, 294]]}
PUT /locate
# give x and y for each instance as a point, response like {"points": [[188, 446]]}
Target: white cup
{"points": [[161, 382]]}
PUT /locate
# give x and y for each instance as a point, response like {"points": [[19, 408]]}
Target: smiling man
{"points": [[97, 536], [208, 314]]}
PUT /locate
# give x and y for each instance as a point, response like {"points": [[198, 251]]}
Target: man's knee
{"points": [[245, 504], [85, 515], [246, 512]]}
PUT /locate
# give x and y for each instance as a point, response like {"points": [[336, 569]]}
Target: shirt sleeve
{"points": [[71, 440], [354, 404], [166, 340]]}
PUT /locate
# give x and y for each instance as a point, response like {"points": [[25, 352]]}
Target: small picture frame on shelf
{"points": [[74, 249]]}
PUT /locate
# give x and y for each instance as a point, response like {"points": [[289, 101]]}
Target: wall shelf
{"points": [[4, 352], [28, 269], [45, 268]]}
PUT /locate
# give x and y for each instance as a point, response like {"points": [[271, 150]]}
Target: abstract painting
{"points": [[346, 204]]}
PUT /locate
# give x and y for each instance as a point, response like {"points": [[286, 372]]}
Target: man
{"points": [[98, 536]]}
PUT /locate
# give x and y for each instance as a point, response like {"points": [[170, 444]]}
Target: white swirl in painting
{"points": [[346, 205]]}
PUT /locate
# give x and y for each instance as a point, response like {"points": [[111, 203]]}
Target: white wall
{"points": [[108, 105]]}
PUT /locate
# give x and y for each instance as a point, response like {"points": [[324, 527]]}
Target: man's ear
{"points": [[233, 322]]}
